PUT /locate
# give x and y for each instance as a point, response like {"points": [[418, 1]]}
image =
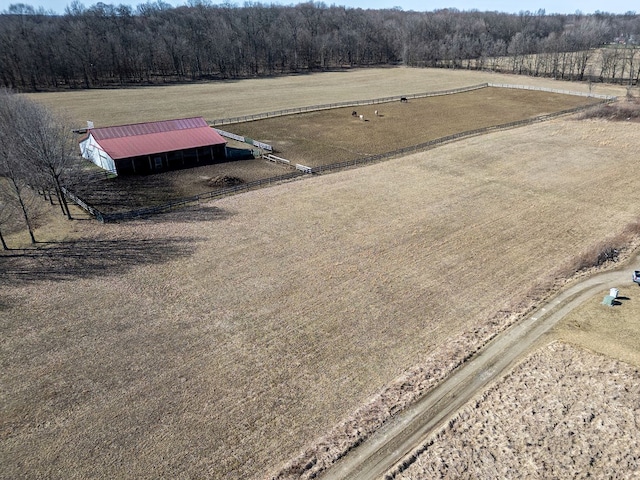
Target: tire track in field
{"points": [[411, 428]]}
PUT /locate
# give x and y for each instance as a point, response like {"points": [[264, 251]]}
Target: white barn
{"points": [[152, 147]]}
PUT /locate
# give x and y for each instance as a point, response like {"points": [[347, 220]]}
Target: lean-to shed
{"points": [[152, 147]]}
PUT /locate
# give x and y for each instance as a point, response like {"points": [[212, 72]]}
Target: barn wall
{"points": [[91, 150], [176, 160]]}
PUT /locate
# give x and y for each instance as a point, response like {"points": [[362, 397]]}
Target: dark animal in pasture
{"points": [[403, 99], [354, 114]]}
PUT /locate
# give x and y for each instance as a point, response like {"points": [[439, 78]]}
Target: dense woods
{"points": [[112, 45]]}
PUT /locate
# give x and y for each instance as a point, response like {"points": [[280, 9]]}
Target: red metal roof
{"points": [[155, 137]]}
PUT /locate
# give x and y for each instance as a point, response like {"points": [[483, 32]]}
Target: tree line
{"points": [[115, 45], [37, 150]]}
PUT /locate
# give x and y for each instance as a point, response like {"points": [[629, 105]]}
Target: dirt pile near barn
{"points": [[225, 181]]}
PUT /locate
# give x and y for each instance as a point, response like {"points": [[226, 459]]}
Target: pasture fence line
{"points": [[395, 98], [351, 103], [276, 159], [233, 136], [82, 204], [304, 168], [553, 90], [442, 140]]}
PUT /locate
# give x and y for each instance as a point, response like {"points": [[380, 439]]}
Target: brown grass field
{"points": [[223, 340], [234, 98], [613, 332]]}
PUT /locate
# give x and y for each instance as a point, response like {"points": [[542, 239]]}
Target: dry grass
{"points": [[564, 411], [130, 192], [627, 109], [234, 98], [219, 342], [414, 382], [612, 331], [47, 219], [561, 413], [605, 250]]}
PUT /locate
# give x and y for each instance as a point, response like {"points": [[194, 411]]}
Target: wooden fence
{"points": [[276, 159], [353, 103], [395, 98], [240, 138], [553, 90], [302, 170], [449, 138], [82, 204]]}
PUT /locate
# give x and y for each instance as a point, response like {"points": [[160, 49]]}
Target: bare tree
{"points": [[12, 171], [5, 216], [45, 145], [15, 185], [36, 150]]}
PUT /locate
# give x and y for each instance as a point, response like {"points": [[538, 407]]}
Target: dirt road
{"points": [[398, 438]]}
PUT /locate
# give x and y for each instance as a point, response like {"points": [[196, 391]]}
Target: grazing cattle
{"points": [[403, 99], [376, 112], [354, 114], [361, 117]]}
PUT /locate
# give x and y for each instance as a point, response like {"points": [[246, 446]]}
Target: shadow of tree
{"points": [[88, 258], [195, 213], [124, 192]]}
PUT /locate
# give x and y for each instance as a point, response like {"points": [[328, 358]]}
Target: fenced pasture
{"points": [[349, 103], [127, 193], [223, 340], [325, 137], [332, 136]]}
